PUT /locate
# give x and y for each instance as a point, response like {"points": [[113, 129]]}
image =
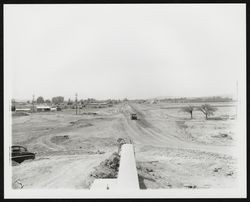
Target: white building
{"points": [[43, 108], [23, 110]]}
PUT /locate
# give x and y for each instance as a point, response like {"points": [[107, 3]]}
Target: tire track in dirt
{"points": [[154, 136], [58, 171], [46, 142], [147, 128], [137, 134]]}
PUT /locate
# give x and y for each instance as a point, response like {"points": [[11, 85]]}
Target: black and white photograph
{"points": [[124, 100]]}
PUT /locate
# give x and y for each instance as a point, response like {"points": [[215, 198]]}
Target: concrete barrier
{"points": [[127, 175]]}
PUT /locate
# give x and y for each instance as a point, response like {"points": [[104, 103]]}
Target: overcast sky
{"points": [[118, 51]]}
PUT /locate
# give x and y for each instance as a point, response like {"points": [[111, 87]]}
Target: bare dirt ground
{"points": [[172, 151]]}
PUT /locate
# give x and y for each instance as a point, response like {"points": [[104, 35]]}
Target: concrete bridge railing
{"points": [[127, 175]]}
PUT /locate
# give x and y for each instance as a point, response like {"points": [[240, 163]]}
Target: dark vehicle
{"points": [[133, 117], [58, 108], [13, 108], [19, 154]]}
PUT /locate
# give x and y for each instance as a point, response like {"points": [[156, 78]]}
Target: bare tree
{"points": [[207, 110], [189, 109]]}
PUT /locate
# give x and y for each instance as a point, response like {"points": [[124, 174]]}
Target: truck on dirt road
{"points": [[133, 116]]}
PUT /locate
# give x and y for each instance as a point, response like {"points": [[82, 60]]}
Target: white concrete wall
{"points": [[127, 176]]}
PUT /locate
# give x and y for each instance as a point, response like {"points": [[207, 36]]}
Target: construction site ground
{"points": [[171, 150]]}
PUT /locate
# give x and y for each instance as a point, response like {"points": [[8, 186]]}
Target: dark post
{"points": [[76, 103], [33, 104]]}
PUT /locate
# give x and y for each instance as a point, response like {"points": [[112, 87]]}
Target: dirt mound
{"points": [[59, 139], [223, 135], [89, 113], [80, 123], [149, 177], [107, 169]]}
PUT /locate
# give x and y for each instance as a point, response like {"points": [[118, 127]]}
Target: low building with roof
{"points": [[23, 110], [42, 108]]}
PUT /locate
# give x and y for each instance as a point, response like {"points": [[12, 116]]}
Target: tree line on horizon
{"points": [[60, 100]]}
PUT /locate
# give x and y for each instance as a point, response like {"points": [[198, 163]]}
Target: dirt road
{"points": [[56, 171], [171, 151], [167, 161], [145, 132]]}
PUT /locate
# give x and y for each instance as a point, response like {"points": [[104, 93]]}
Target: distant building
{"points": [[53, 109], [23, 110], [58, 108], [20, 107], [43, 108]]}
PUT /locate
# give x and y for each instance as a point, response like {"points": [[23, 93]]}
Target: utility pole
{"points": [[33, 104], [13, 104], [76, 103]]}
